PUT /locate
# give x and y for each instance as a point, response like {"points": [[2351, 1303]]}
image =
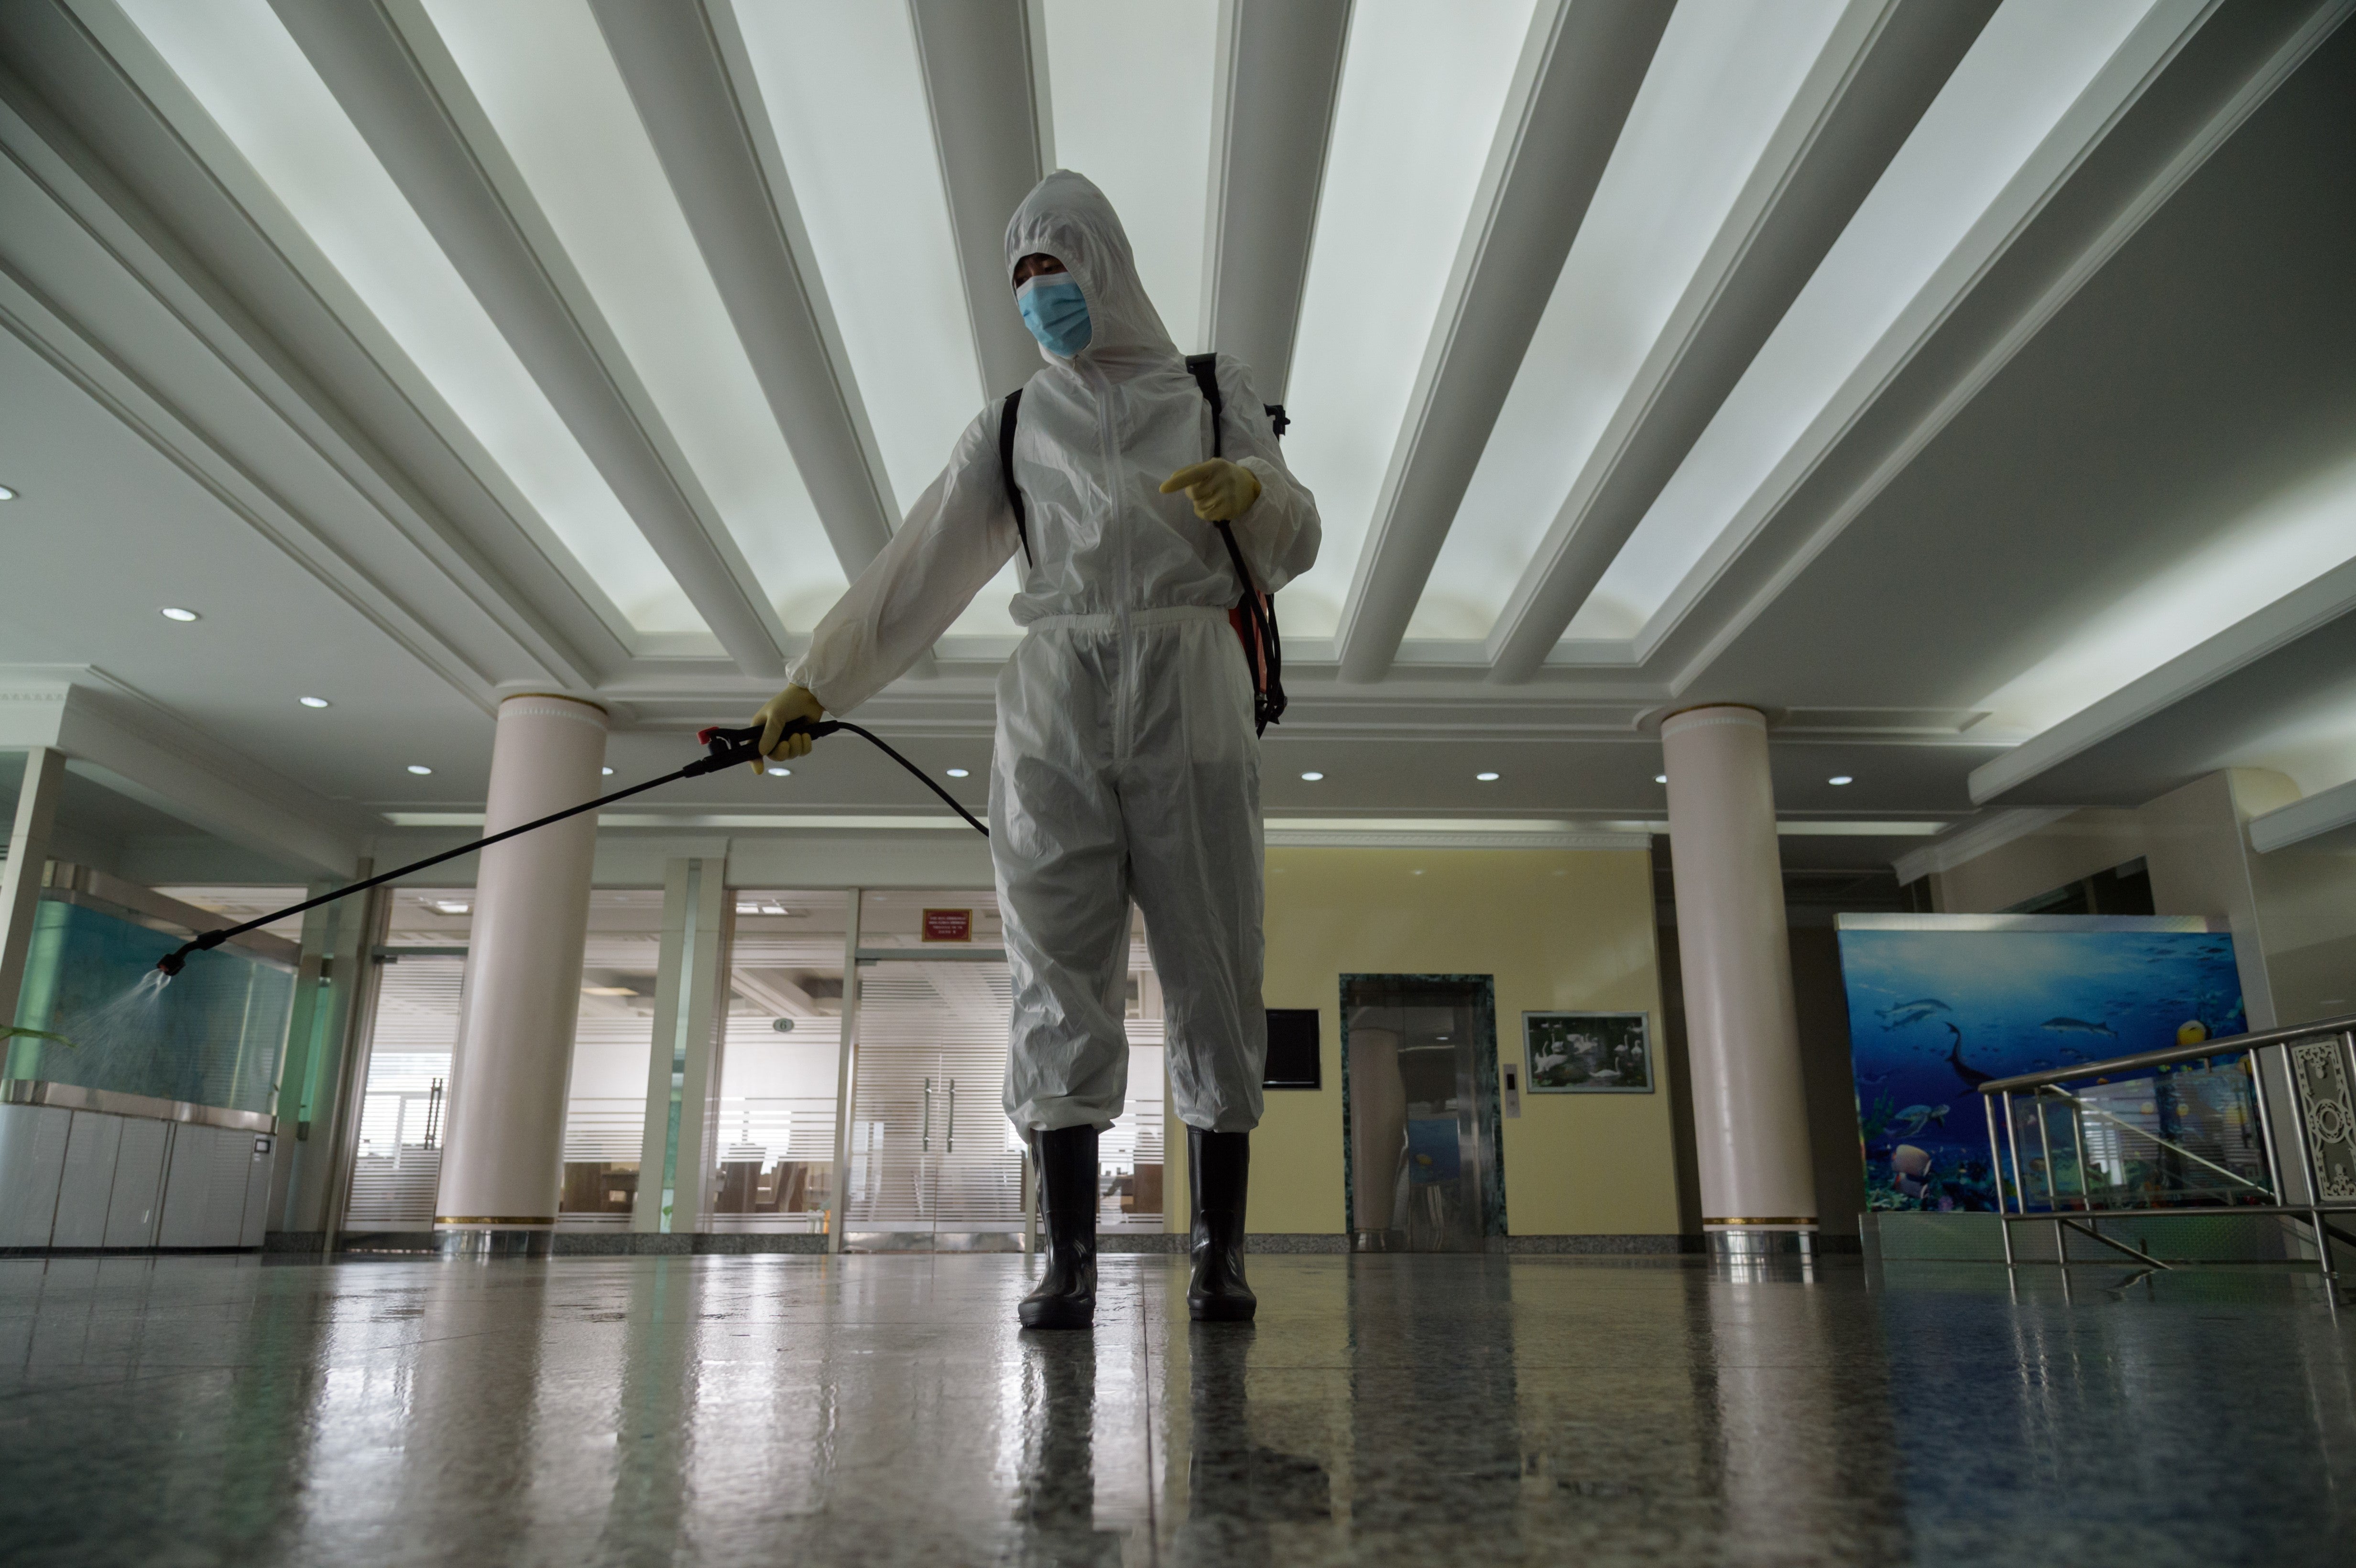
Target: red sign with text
{"points": [[949, 926]]}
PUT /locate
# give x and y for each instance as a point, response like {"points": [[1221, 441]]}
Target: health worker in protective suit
{"points": [[1127, 765]]}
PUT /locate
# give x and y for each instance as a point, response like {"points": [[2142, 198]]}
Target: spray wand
{"points": [[723, 748]]}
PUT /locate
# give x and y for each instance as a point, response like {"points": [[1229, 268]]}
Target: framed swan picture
{"points": [[1588, 1053]]}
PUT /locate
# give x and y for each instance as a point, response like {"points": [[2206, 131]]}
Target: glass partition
{"points": [[774, 1118], [108, 1020], [421, 981], [2184, 1136], [613, 1037], [1129, 1156]]}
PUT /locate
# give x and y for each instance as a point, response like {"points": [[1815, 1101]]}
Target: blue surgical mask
{"points": [[1056, 312]]}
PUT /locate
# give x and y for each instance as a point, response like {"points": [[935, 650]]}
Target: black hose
{"points": [[723, 748]]}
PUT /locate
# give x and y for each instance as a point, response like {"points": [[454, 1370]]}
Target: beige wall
{"points": [[2308, 894], [2076, 847], [1558, 929], [2197, 845]]}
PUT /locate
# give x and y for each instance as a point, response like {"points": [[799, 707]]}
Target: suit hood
{"points": [[1067, 216]]}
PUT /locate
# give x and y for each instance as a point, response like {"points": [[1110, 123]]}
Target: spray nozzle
{"points": [[172, 962]]}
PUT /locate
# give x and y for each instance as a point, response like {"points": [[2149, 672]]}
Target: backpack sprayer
{"points": [[723, 748]]}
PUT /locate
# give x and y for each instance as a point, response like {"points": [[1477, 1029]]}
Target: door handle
{"points": [[952, 1148], [924, 1144]]}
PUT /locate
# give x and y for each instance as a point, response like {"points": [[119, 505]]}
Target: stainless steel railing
{"points": [[2193, 1129]]}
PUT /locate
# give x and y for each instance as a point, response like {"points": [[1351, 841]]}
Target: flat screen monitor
{"points": [[1293, 1059]]}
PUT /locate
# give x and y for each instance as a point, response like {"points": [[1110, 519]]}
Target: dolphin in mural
{"points": [[1915, 1011]]}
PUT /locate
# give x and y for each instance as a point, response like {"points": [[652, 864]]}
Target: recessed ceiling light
{"points": [[1311, 778], [959, 773], [1660, 778], [7, 493], [1840, 779], [1486, 778], [451, 906], [314, 702], [606, 772], [1417, 873], [172, 613], [419, 769], [778, 773]]}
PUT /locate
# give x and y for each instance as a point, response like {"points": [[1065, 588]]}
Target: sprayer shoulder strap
{"points": [[1006, 470], [1205, 368], [1254, 612]]}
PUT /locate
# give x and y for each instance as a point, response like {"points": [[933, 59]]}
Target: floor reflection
{"points": [[1237, 1487], [1390, 1410], [1057, 1509]]}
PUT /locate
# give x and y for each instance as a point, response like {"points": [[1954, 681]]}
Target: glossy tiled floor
{"points": [[1387, 1410]]}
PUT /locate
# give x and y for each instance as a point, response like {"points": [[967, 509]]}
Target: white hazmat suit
{"points": [[1126, 763]]}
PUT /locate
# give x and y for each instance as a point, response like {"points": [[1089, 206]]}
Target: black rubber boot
{"points": [[1218, 1170], [1067, 1295]]}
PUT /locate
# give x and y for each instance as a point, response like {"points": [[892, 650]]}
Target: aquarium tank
{"points": [[95, 1013], [1939, 1005]]}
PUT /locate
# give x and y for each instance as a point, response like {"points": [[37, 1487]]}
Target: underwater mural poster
{"points": [[1940, 1003]]}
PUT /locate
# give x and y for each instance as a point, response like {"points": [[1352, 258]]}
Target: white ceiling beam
{"points": [[156, 182], [2326, 603], [1578, 73], [985, 66], [2042, 245], [409, 102], [1888, 61], [2325, 811], [686, 72], [1279, 75]]}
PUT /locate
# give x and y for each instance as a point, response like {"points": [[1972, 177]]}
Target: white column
{"points": [[20, 885], [1751, 1126], [504, 1142]]}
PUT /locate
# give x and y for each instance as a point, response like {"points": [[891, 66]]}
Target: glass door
{"points": [[934, 1165], [419, 975], [1419, 1106]]}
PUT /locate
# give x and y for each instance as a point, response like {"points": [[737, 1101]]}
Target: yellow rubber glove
{"points": [[793, 702], [1222, 491]]}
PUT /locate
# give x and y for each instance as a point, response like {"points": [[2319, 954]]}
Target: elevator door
{"points": [[1420, 1069]]}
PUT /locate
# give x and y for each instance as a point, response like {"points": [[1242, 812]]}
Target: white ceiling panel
{"points": [[2030, 66], [1721, 80], [1133, 88], [240, 63], [1421, 88], [847, 102], [542, 72], [846, 99]]}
